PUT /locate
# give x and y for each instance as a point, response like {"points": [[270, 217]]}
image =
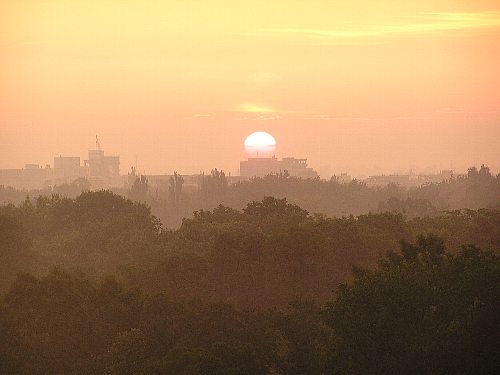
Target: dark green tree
{"points": [[422, 311]]}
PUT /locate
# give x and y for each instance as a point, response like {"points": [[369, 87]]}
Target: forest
{"points": [[272, 276]]}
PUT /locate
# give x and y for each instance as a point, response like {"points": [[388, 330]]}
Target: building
{"points": [[68, 167], [410, 180], [32, 176], [99, 165], [102, 170], [259, 167], [297, 168]]}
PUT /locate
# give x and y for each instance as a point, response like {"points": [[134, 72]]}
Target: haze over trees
{"points": [[418, 309], [97, 284], [174, 201], [186, 269]]}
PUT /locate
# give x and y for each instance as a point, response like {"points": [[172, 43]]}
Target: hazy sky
{"points": [[374, 87]]}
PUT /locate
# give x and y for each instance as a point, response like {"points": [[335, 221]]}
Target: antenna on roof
{"points": [[97, 144]]}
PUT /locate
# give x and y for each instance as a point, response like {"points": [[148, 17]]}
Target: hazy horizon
{"points": [[372, 88], [162, 269]]}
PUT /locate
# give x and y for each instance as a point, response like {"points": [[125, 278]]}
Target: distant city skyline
{"points": [[368, 87], [324, 170], [102, 171]]}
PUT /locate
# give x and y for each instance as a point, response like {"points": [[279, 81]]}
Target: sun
{"points": [[260, 144]]}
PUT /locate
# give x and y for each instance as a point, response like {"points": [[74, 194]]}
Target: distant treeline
{"points": [[174, 201], [265, 290], [267, 255]]}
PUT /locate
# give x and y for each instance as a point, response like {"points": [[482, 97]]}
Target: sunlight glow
{"points": [[260, 144], [260, 139]]}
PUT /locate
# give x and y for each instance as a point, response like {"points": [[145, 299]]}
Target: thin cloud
{"points": [[424, 116], [258, 109], [431, 22], [255, 108], [259, 118]]}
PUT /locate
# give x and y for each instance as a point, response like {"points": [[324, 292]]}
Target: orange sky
{"points": [[376, 87]]}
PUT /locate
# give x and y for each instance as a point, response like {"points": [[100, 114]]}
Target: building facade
{"points": [[260, 167]]}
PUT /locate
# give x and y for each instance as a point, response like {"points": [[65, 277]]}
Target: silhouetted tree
{"points": [[213, 186], [175, 188], [138, 185]]}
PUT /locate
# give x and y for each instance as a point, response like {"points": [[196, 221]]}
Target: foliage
{"points": [[174, 201], [266, 255], [175, 188], [138, 186], [63, 323], [422, 311]]}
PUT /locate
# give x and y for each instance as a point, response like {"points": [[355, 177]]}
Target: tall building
{"points": [[101, 169]]}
